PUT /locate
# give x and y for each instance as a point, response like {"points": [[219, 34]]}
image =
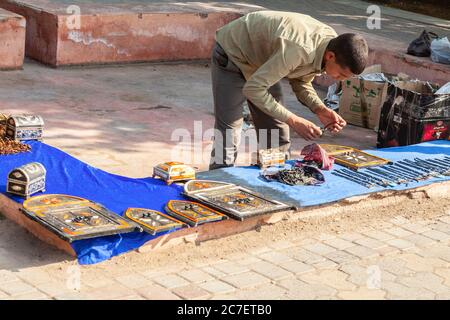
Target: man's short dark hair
{"points": [[351, 51]]}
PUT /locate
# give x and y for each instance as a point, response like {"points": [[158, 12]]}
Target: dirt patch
{"points": [[434, 8]]}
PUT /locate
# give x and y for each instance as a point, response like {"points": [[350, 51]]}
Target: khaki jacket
{"points": [[270, 45]]}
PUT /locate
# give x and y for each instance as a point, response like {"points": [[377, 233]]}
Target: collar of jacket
{"points": [[320, 51]]}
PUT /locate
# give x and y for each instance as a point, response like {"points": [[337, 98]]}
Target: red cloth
{"points": [[316, 153]]}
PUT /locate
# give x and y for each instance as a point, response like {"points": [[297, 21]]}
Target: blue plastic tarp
{"points": [[335, 188], [68, 175]]}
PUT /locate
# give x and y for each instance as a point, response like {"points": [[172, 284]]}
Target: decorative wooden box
{"points": [[269, 157], [27, 179], [73, 218], [174, 171], [24, 127]]}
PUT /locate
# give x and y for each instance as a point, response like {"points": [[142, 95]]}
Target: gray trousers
{"points": [[227, 84]]}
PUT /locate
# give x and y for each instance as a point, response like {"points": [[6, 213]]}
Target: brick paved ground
{"points": [[399, 260]]}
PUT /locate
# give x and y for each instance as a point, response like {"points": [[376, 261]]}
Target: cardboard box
{"points": [[361, 100]]}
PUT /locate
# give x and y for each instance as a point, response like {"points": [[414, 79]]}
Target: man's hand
{"points": [[306, 129], [330, 119]]}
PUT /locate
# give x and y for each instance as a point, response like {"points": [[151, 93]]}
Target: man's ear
{"points": [[329, 55]]}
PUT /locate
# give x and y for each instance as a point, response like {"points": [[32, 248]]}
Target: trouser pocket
{"points": [[219, 56]]}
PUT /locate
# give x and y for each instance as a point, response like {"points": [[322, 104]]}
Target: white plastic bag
{"points": [[332, 99], [440, 50], [445, 89]]}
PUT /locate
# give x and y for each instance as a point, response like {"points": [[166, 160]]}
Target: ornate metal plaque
{"points": [[73, 218], [334, 149], [153, 221], [201, 185], [233, 200], [353, 158], [192, 213], [358, 159]]}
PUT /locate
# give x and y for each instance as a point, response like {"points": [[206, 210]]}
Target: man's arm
{"points": [[272, 71], [307, 95], [276, 68]]}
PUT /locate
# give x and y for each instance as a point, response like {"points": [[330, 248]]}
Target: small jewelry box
{"points": [[24, 127], [269, 157], [174, 171], [27, 179]]}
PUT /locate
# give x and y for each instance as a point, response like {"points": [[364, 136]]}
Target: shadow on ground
{"points": [[20, 250]]}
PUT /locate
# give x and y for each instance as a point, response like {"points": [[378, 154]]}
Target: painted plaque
{"points": [[235, 201], [358, 159], [353, 158], [153, 221], [192, 213], [73, 218]]}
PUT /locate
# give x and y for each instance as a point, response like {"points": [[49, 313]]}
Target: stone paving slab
{"points": [[191, 291], [156, 292], [245, 280], [217, 287]]}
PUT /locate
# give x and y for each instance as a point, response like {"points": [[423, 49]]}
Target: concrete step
{"points": [[94, 32], [12, 40]]}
